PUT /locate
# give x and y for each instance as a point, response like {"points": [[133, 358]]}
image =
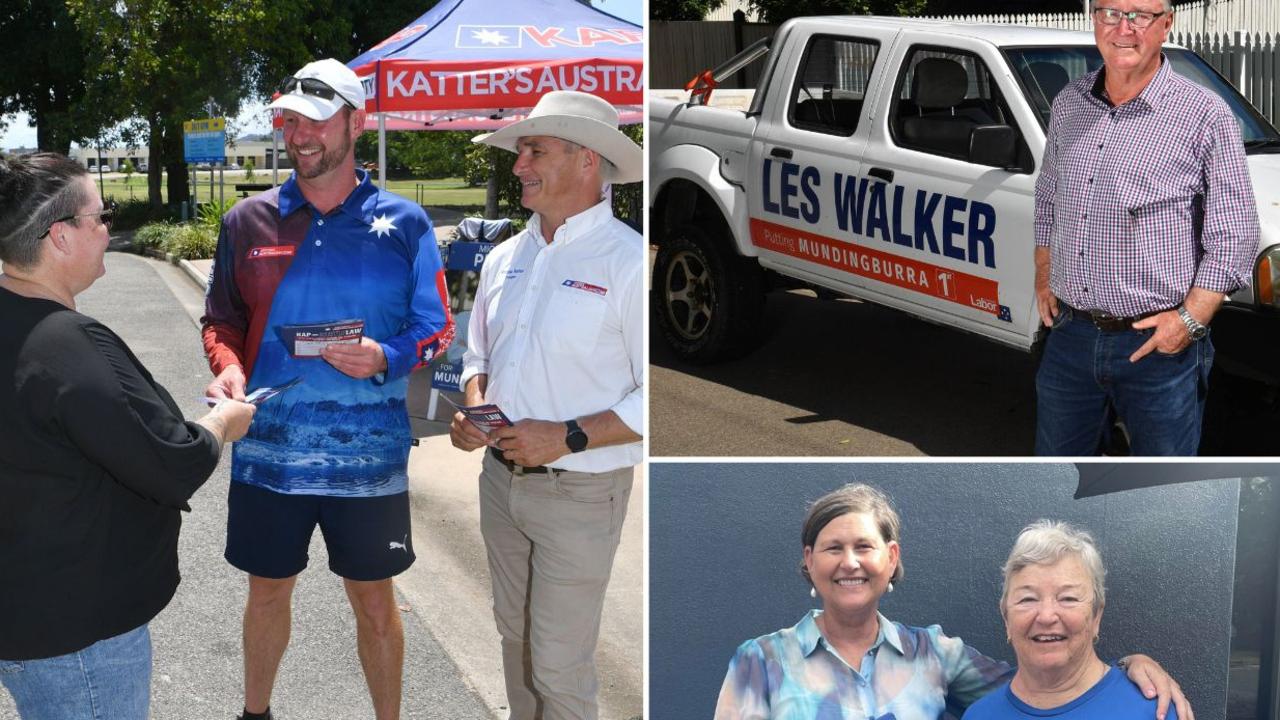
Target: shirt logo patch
{"points": [[579, 285], [271, 251], [514, 273]]}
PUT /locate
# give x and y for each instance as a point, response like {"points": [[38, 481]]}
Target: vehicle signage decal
{"points": [[945, 225], [957, 287]]}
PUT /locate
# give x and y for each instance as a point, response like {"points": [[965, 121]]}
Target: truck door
{"points": [[812, 135], [956, 235]]}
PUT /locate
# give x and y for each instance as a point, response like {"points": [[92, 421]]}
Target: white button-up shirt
{"points": [[558, 329]]}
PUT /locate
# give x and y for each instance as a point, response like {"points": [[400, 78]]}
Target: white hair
{"points": [[1045, 542], [1166, 4]]}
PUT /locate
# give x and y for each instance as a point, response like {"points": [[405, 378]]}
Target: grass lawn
{"points": [[447, 192]]}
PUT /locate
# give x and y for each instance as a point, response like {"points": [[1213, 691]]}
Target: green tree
{"points": [[126, 167], [306, 30], [168, 63], [778, 11], [248, 170], [45, 56], [682, 9]]}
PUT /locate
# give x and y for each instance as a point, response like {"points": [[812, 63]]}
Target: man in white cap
{"points": [[556, 342], [333, 288]]}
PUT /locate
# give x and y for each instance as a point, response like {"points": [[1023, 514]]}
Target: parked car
{"points": [[827, 181]]}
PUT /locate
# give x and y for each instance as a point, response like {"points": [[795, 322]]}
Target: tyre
{"points": [[706, 299]]}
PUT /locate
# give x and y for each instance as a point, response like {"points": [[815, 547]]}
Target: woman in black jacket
{"points": [[96, 462]]}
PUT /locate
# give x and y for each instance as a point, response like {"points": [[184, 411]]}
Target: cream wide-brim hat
{"points": [[579, 118]]}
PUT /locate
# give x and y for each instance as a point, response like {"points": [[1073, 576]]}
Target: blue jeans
{"points": [[1086, 373], [109, 680]]}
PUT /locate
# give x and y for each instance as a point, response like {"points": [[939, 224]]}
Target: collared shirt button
{"points": [[1099, 146], [320, 221], [1090, 181], [1084, 216], [317, 243]]}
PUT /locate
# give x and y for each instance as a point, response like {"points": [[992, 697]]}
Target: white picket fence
{"points": [[1203, 16], [1249, 59]]}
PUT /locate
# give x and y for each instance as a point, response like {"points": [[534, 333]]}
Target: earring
{"points": [[813, 591], [890, 586]]}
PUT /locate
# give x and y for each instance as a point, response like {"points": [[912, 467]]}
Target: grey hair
{"points": [[606, 165], [1166, 4], [1045, 542], [852, 498], [35, 190]]}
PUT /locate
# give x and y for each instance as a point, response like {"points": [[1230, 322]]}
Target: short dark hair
{"points": [[852, 498], [35, 190]]}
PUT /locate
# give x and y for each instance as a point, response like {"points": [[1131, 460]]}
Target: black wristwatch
{"points": [[574, 437]]}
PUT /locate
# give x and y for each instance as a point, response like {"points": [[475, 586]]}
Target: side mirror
{"points": [[994, 145]]}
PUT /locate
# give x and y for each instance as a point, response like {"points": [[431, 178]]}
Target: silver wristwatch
{"points": [[1194, 328]]}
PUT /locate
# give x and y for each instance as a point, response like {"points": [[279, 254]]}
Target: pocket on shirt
{"points": [[573, 319], [1159, 219]]}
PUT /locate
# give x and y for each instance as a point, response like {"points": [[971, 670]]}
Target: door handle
{"points": [[781, 152], [882, 173]]}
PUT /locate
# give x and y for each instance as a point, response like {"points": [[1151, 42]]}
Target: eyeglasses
{"points": [[1139, 20], [105, 216], [312, 86]]}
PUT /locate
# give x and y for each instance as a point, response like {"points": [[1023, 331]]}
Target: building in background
{"points": [[247, 148]]}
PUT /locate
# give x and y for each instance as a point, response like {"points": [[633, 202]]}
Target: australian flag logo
{"points": [[579, 285], [488, 36]]}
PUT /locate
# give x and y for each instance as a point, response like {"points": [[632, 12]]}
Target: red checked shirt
{"points": [[1140, 202]]}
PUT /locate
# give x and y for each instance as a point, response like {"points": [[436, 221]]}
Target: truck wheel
{"points": [[706, 299]]}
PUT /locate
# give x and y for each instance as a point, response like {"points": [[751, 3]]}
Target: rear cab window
{"points": [[941, 95]]}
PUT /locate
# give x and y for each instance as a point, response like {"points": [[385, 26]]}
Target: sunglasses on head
{"points": [[312, 86], [105, 216]]}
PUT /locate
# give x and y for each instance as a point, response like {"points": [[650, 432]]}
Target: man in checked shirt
{"points": [[1144, 222]]}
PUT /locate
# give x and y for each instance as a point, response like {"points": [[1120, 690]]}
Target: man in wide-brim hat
{"points": [[556, 342]]}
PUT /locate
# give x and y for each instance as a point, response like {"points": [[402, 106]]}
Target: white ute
{"points": [[895, 161]]}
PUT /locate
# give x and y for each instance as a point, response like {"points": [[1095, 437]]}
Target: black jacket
{"points": [[96, 462]]}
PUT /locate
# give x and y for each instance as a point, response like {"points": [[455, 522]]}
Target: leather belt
{"points": [[1106, 321], [511, 467]]}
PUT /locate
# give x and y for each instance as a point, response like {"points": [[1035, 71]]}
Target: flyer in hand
{"points": [[486, 417], [259, 396], [308, 340]]}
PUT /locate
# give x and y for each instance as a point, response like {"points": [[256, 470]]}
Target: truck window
{"points": [[942, 95], [1043, 71], [831, 84]]}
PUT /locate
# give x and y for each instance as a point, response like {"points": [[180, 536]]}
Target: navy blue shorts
{"points": [[368, 538]]}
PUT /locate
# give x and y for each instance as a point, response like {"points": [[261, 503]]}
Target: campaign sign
{"points": [[204, 141], [467, 255], [445, 376]]}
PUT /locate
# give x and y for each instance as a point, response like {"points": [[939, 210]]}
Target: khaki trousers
{"points": [[550, 540]]}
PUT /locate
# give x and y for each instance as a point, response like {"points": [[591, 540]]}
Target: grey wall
{"points": [[724, 544]]}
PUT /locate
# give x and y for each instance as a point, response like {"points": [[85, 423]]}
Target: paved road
{"points": [[848, 378], [451, 647], [844, 377]]}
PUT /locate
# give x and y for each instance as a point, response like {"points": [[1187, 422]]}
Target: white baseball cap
{"points": [[320, 89]]}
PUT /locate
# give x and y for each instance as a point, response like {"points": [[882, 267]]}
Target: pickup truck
{"points": [[895, 160]]}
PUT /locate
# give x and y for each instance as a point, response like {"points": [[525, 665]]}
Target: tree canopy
{"points": [[45, 75], [682, 9], [777, 11]]}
